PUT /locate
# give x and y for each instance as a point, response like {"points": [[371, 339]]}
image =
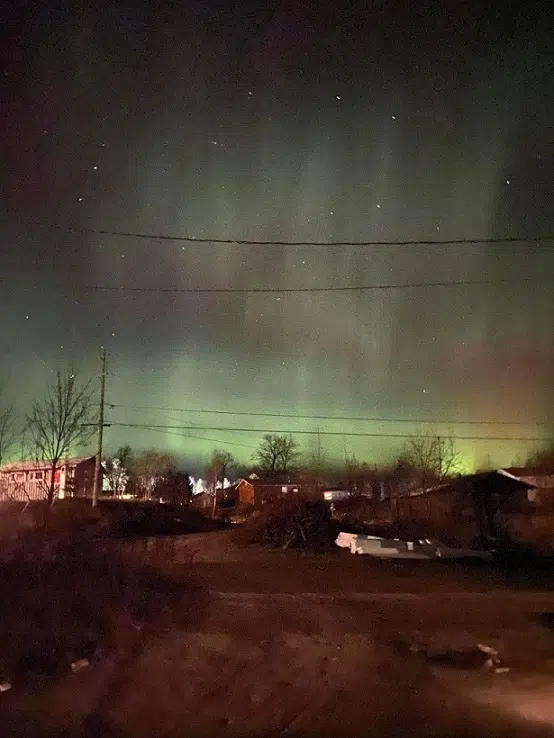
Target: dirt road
{"points": [[275, 644]]}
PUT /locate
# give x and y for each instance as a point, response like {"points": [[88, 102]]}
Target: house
{"points": [[29, 480], [531, 475], [258, 491], [202, 501], [466, 512]]}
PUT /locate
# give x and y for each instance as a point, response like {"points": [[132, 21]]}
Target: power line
{"points": [[329, 417], [324, 433], [198, 438], [286, 290], [511, 240]]}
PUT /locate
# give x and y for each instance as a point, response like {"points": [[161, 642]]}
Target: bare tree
{"points": [[117, 469], [221, 463], [433, 458], [175, 488], [351, 467], [9, 428], [317, 459], [543, 460], [359, 476], [448, 458], [62, 421], [148, 469], [277, 453]]}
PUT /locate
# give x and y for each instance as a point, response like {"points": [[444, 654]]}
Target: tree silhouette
{"points": [[277, 453]]}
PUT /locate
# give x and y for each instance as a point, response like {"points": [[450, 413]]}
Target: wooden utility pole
{"points": [[98, 464]]}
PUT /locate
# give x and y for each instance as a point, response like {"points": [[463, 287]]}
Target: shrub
{"points": [[292, 522], [68, 596]]}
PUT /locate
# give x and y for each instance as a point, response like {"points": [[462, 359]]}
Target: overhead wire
{"points": [[245, 413], [119, 288], [198, 438], [509, 240], [288, 431]]}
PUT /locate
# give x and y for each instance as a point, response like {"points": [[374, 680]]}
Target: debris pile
{"points": [[456, 656], [292, 522], [401, 549]]}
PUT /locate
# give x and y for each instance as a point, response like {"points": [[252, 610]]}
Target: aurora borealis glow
{"points": [[296, 122]]}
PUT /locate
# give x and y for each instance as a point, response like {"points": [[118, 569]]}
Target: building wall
{"points": [[32, 484], [446, 514], [82, 479], [24, 485], [461, 512], [246, 492]]}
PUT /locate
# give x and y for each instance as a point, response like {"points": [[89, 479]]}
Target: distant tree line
{"points": [[65, 419]]}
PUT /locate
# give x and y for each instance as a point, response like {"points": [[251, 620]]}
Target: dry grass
{"points": [[68, 595]]}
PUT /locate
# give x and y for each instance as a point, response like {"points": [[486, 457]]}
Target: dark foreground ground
{"points": [[279, 644]]}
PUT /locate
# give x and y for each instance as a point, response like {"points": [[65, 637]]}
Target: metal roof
{"points": [[15, 466], [479, 479]]}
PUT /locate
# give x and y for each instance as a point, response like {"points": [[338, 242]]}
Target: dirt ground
{"points": [[280, 644]]}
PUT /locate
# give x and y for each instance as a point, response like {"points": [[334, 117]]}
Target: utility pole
{"points": [[98, 464]]}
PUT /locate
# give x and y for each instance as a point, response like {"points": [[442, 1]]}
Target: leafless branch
{"points": [[10, 431], [433, 458], [277, 453], [61, 422]]}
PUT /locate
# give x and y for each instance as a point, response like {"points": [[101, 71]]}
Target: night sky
{"points": [[297, 122]]}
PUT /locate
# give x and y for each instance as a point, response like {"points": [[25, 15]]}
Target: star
{"points": [[250, 93], [507, 181], [26, 317], [80, 199], [393, 117], [378, 205], [95, 168], [338, 97]]}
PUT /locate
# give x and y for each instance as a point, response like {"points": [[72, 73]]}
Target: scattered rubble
{"points": [[401, 549], [79, 665], [458, 655], [362, 544]]}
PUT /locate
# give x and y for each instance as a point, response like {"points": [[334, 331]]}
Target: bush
{"points": [[292, 522]]}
